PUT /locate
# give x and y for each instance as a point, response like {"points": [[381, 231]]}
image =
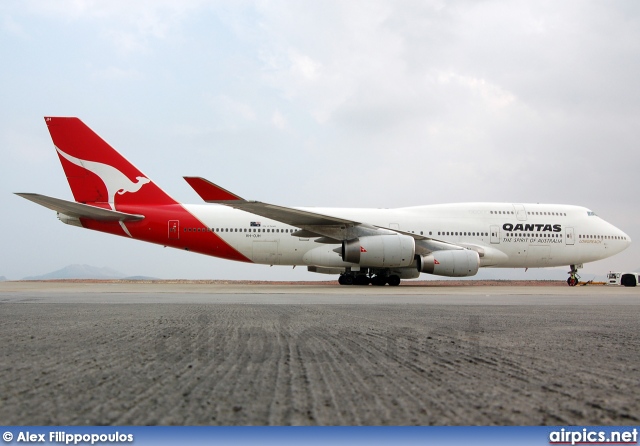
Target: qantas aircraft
{"points": [[362, 246]]}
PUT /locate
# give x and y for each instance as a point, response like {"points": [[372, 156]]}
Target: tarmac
{"points": [[229, 354]]}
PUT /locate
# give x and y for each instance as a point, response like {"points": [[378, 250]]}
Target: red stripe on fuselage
{"points": [[154, 228]]}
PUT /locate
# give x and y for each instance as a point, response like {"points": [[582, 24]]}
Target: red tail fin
{"points": [[96, 172]]}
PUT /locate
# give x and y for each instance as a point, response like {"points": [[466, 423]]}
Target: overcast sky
{"points": [[320, 103]]}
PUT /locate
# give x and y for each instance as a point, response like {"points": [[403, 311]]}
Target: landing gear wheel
{"points": [[379, 281], [574, 278], [361, 280], [393, 280], [345, 279]]}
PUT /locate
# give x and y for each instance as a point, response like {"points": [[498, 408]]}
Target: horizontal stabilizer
{"points": [[79, 210]]}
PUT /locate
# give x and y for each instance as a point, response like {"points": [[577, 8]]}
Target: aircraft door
{"points": [[495, 234], [521, 213], [569, 236], [174, 229]]}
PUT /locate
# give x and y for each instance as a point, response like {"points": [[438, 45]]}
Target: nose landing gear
{"points": [[574, 278]]}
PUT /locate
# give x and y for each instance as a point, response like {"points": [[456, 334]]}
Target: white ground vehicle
{"points": [[624, 279]]}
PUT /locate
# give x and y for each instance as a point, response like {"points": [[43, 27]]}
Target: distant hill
{"points": [[80, 272], [2, 278]]}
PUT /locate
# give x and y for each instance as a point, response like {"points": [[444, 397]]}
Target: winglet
{"points": [[209, 192]]}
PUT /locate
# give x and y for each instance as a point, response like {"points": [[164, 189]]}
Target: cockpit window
{"points": [[591, 214]]}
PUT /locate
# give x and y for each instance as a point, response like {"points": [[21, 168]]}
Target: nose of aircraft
{"points": [[624, 241], [627, 240]]}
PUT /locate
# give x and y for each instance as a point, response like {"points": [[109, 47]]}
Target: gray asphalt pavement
{"points": [[317, 355]]}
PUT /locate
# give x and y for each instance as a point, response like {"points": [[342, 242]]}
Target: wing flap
{"points": [[79, 210], [290, 216]]}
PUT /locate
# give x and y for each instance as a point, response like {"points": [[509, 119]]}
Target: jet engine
{"points": [[391, 250], [450, 263]]}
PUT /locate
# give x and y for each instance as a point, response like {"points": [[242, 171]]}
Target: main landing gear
{"points": [[349, 278], [574, 278]]}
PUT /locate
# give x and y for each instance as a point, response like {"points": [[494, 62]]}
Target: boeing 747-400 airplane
{"points": [[362, 246]]}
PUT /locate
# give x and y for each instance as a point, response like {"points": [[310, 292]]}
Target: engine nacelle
{"points": [[450, 263], [391, 250]]}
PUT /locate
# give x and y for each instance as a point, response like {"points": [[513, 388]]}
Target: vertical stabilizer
{"points": [[96, 172]]}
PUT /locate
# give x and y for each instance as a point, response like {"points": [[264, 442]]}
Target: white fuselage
{"points": [[510, 235]]}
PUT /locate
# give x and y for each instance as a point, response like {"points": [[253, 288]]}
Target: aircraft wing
{"points": [[79, 210], [212, 193], [332, 229]]}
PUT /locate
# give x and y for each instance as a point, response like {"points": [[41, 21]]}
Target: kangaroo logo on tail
{"points": [[114, 180]]}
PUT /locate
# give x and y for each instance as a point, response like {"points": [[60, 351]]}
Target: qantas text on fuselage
{"points": [[532, 227], [361, 246]]}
